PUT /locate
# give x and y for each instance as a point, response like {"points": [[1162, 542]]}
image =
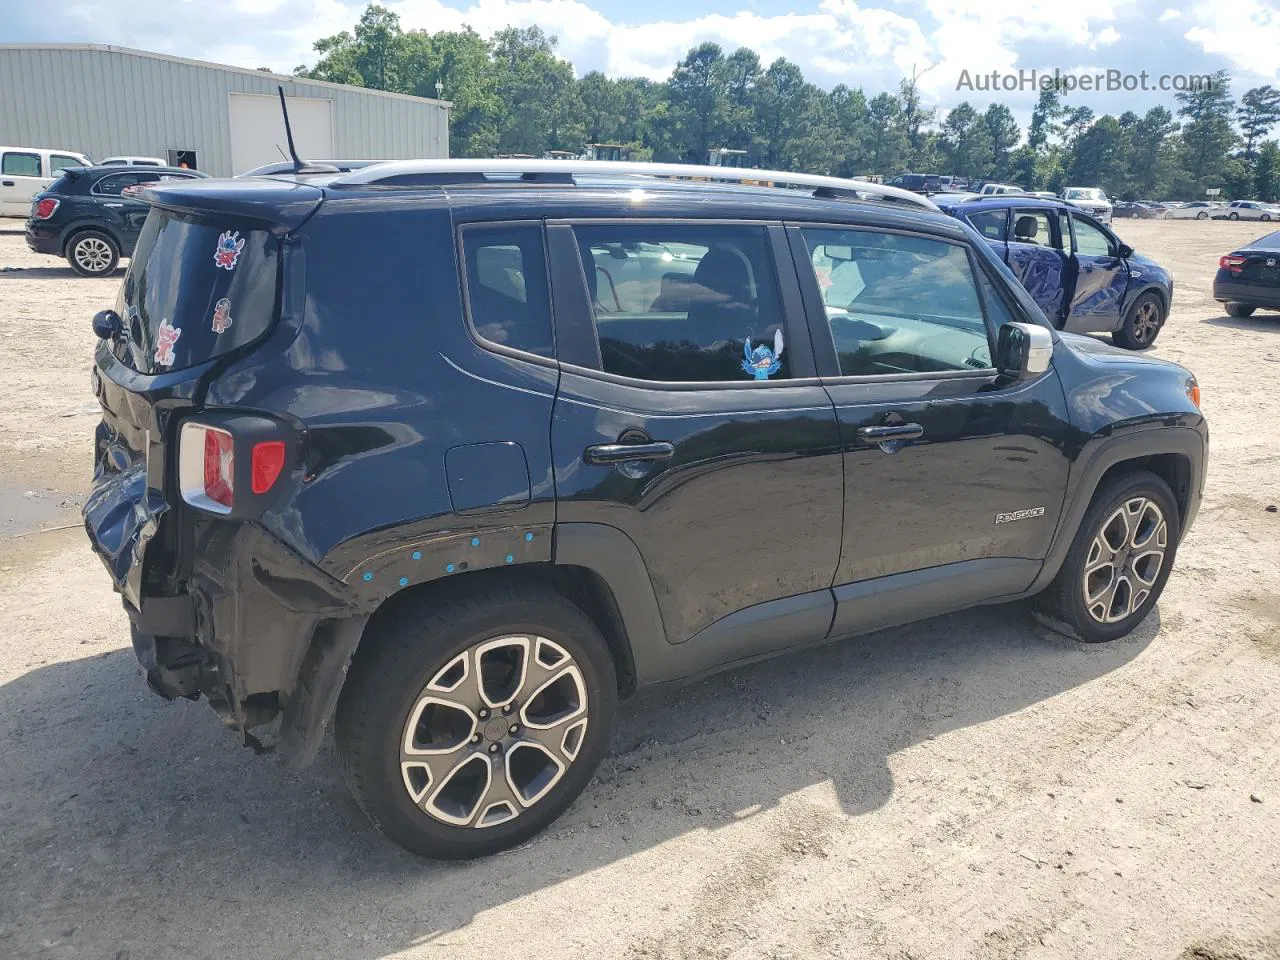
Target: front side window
{"points": [[60, 161], [1032, 227], [507, 294], [683, 303], [897, 303], [992, 224], [20, 165], [1090, 240]]}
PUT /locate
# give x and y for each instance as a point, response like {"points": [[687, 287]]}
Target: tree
{"points": [[914, 118], [1207, 136], [1100, 156], [740, 74], [887, 142], [1266, 172], [851, 121], [602, 108], [965, 142], [697, 95], [1258, 112], [1003, 135]]}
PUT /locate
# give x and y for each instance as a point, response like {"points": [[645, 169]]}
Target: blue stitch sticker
{"points": [[761, 362]]}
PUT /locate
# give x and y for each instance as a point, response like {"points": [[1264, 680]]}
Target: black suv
{"points": [[460, 459], [93, 215]]}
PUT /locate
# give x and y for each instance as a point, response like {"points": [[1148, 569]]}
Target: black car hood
{"points": [[1097, 349]]}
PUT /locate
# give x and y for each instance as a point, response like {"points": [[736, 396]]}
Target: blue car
{"points": [[1085, 279]]}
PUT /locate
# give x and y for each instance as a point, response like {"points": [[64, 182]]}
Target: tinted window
{"points": [[115, 184], [898, 304], [507, 286], [1090, 240], [194, 291], [990, 223], [20, 165], [1032, 226], [59, 161], [684, 302]]}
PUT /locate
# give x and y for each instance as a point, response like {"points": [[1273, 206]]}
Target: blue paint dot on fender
{"points": [[509, 558], [417, 554], [448, 568], [528, 537], [404, 581], [475, 541], [368, 575]]}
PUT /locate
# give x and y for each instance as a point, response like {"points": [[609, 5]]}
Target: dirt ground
{"points": [[969, 787]]}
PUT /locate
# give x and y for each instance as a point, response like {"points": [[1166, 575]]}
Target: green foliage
{"points": [[512, 93]]}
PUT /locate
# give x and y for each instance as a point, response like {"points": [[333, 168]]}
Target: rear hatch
{"points": [[204, 285]]}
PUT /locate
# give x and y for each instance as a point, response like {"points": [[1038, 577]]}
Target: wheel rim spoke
{"points": [[494, 731]]}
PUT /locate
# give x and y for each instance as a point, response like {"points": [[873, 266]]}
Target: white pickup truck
{"points": [[25, 171]]}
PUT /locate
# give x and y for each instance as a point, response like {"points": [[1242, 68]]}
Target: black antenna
{"points": [[288, 132]]}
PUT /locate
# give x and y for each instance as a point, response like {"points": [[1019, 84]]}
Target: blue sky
{"points": [[869, 44]]}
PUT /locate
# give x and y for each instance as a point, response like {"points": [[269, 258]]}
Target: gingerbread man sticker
{"points": [[221, 315]]}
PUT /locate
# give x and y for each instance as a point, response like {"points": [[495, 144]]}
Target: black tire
{"points": [[1266, 218], [1142, 322], [1064, 600], [1233, 215], [93, 253], [1202, 215], [412, 645], [1240, 310]]}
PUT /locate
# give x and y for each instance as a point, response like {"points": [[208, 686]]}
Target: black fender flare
{"points": [[1100, 454]]}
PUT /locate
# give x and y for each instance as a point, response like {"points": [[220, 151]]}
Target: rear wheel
{"points": [[1142, 323], [1266, 217], [1119, 561], [465, 727], [92, 253], [1233, 215], [1202, 215], [1240, 310]]}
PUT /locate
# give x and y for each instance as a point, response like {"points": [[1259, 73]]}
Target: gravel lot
{"points": [[973, 786]]}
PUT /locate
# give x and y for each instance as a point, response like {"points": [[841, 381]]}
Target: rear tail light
{"points": [[222, 469], [1232, 262], [46, 208]]}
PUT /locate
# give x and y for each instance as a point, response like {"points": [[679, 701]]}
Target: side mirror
{"points": [[1124, 251], [1023, 350], [107, 324]]}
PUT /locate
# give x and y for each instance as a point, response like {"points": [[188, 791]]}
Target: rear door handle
{"points": [[891, 437], [602, 454]]}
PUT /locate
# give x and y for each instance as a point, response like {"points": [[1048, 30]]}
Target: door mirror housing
{"points": [[1023, 350], [1124, 251]]}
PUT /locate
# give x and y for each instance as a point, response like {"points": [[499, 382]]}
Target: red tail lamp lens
{"points": [[266, 463], [45, 208], [219, 467]]}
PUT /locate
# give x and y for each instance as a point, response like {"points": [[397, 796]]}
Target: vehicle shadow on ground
{"points": [[1261, 320], [50, 273], [133, 826]]}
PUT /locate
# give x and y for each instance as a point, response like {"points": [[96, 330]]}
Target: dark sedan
{"points": [[1085, 279], [1249, 278], [92, 215]]}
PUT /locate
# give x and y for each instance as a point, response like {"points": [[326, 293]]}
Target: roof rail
{"points": [[423, 172]]}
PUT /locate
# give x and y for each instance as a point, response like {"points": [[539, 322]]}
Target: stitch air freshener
{"points": [[228, 250], [221, 315]]}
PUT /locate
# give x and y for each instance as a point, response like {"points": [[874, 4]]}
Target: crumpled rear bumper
{"points": [[121, 517]]}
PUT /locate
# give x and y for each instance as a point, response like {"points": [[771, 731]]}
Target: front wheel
{"points": [[1202, 215], [1119, 560], [92, 254], [1240, 310], [1233, 216], [467, 726], [1142, 323], [1266, 217]]}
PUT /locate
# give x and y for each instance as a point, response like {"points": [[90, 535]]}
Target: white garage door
{"points": [[257, 130]]}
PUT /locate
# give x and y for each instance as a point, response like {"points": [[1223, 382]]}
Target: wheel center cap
{"points": [[495, 729]]}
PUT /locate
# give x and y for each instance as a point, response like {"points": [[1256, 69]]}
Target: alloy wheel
{"points": [[1125, 560], [1146, 322], [93, 254], [494, 731]]}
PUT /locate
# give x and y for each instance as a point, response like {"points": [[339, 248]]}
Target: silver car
{"points": [[1090, 199], [1252, 210]]}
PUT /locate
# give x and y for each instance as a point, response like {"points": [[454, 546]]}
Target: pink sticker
{"points": [[166, 337], [221, 315], [228, 251]]}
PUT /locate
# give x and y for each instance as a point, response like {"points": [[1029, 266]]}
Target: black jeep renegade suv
{"points": [[460, 460]]}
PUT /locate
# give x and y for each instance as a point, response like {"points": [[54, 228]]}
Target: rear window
{"points": [[195, 291]]}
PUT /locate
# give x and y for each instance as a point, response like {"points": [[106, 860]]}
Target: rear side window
{"points": [[195, 291], [115, 184], [990, 223], [898, 303], [683, 303], [21, 165], [58, 161], [507, 296]]}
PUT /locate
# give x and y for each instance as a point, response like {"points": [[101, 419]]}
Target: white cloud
{"points": [[1249, 38], [1169, 14], [1108, 36]]}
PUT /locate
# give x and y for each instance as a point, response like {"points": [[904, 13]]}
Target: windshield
{"points": [[194, 291], [1085, 193]]}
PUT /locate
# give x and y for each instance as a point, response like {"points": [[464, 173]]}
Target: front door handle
{"points": [[113, 204], [7, 183], [891, 437], [603, 454]]}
